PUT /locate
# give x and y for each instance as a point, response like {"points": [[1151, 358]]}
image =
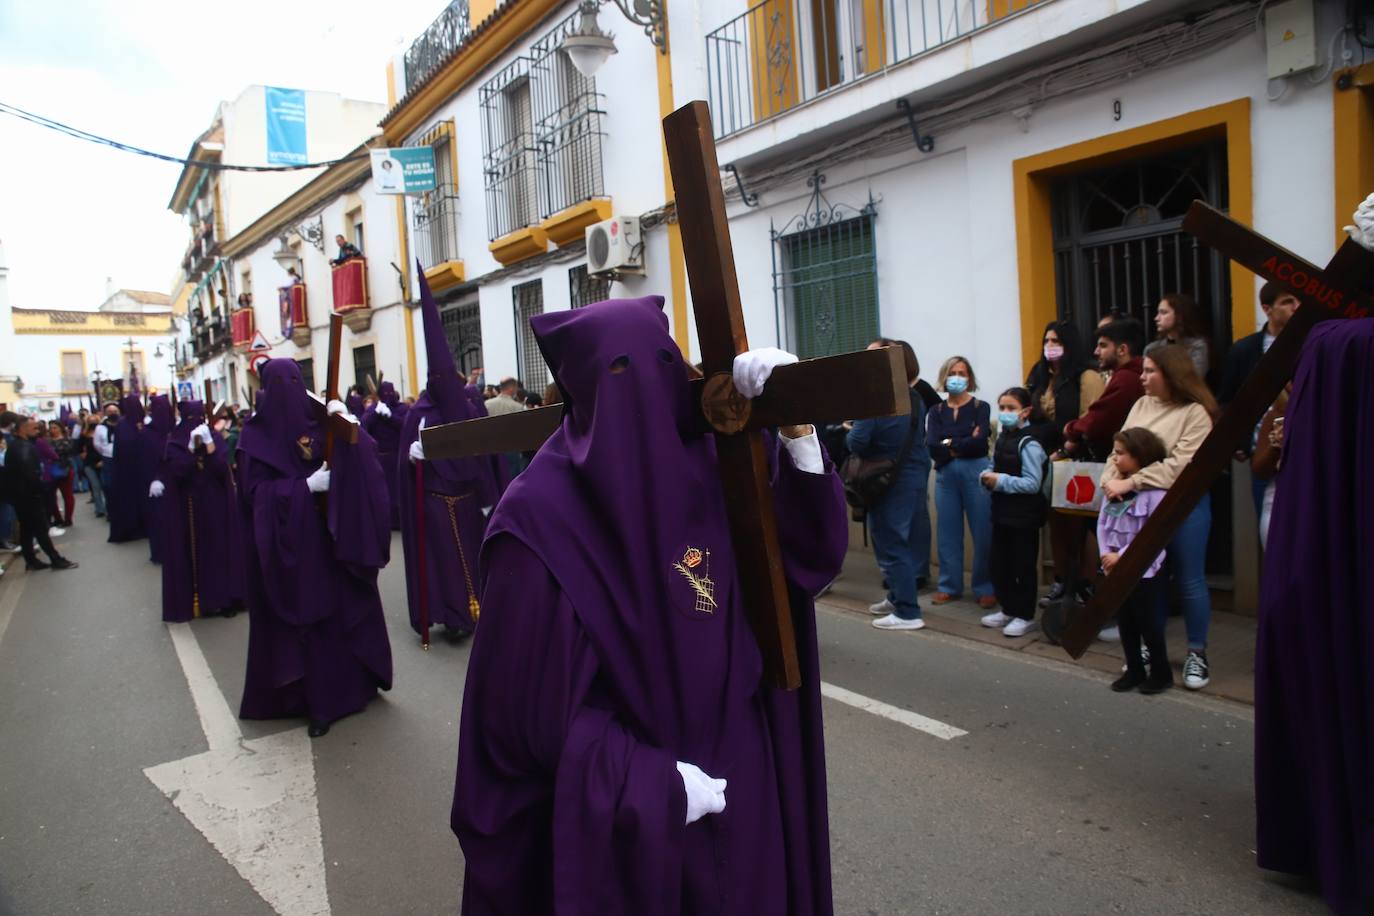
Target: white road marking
{"points": [[905, 716], [255, 801], [13, 590]]}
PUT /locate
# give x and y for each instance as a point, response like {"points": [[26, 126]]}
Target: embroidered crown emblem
{"points": [[701, 581]]}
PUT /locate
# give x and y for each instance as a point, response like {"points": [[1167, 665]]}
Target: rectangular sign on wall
{"points": [[405, 170], [285, 126]]}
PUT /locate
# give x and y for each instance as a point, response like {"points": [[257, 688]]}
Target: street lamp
{"points": [[285, 257], [588, 47]]}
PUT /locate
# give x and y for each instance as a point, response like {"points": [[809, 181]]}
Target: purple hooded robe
{"points": [[386, 432], [127, 498], [152, 442], [198, 517], [455, 493], [317, 641], [599, 664], [1314, 680]]}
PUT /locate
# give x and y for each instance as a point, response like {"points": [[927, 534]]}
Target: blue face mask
{"points": [[956, 384], [1008, 418]]}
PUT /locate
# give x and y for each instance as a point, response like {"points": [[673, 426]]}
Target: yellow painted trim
{"points": [[390, 83], [677, 263], [1035, 236], [1352, 112], [569, 225], [771, 71], [519, 245], [59, 321], [445, 276], [505, 27]]}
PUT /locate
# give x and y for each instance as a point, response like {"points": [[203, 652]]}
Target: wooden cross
{"points": [[854, 386], [336, 425], [1325, 294]]}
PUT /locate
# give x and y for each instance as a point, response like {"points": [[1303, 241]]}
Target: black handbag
{"points": [[867, 480]]}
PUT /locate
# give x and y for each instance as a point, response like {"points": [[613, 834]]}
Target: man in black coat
{"points": [[24, 483]]}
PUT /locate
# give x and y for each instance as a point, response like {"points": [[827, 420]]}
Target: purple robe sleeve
{"points": [[812, 525], [557, 806], [359, 505], [278, 507]]}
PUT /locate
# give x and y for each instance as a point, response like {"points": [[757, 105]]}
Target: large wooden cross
{"points": [[1331, 293], [854, 386]]}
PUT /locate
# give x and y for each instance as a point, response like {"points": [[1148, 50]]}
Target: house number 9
{"points": [[1116, 109]]}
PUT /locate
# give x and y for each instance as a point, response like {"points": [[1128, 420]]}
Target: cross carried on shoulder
{"points": [[873, 384], [1337, 292]]}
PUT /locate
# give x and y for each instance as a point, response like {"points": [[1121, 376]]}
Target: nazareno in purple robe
{"points": [[152, 441], [1314, 671], [202, 543], [386, 432], [455, 493], [317, 641], [599, 664], [127, 498]]}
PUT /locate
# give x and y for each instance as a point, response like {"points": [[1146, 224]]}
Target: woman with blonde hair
{"points": [[1179, 408]]}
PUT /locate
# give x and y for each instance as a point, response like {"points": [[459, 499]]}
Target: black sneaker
{"points": [[1128, 681], [1054, 594], [37, 565], [1159, 684], [64, 563], [1195, 672], [1084, 593]]}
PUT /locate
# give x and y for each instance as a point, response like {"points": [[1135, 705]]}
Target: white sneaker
{"points": [[1195, 672], [1110, 634], [1019, 627], [1144, 659], [996, 620], [893, 622], [882, 608], [56, 532]]}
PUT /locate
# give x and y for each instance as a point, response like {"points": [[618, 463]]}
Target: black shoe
{"points": [[317, 728], [64, 563], [37, 565], [1155, 685], [1083, 594], [1054, 594], [455, 635], [229, 612], [1128, 681]]}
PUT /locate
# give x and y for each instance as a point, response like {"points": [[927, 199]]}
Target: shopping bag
{"points": [[1077, 487]]}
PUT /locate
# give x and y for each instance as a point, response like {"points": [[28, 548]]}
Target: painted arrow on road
{"points": [[254, 801]]}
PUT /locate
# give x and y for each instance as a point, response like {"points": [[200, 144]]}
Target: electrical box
{"points": [[1290, 37]]}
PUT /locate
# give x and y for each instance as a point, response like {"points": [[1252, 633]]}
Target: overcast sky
{"points": [[150, 73]]}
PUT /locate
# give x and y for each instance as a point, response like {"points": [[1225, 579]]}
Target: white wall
{"points": [[38, 361]]}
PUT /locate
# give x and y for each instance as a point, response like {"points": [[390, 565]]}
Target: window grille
{"points": [[567, 121], [510, 155], [435, 213], [529, 302], [584, 289]]}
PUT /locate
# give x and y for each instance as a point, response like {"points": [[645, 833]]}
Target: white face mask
{"points": [[1054, 352]]}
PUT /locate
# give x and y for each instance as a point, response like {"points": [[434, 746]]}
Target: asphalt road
{"points": [[1062, 798]]}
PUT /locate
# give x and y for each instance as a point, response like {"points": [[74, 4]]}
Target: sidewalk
{"points": [[1230, 653]]}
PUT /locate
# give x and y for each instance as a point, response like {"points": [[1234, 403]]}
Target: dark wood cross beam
{"points": [[336, 426], [855, 386], [1330, 293]]}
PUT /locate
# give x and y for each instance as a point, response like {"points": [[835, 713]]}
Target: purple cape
{"points": [[386, 432], [455, 492], [198, 517], [153, 442], [317, 641], [131, 472], [1314, 681], [613, 643]]}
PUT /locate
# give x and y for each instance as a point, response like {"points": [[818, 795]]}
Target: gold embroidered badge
{"points": [[701, 582]]}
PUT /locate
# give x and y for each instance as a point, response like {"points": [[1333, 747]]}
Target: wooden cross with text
{"points": [[1333, 292], [854, 386]]}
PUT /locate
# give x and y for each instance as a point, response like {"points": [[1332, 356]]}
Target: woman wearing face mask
{"points": [[1063, 385], [1179, 321], [1020, 502], [957, 433], [1179, 409]]}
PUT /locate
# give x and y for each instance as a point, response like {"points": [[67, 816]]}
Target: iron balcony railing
{"points": [[436, 224], [437, 43], [781, 53]]}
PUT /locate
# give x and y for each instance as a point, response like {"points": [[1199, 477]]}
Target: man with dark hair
{"points": [[347, 251], [8, 422], [24, 483], [1119, 346]]}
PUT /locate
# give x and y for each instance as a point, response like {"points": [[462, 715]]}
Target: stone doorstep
{"points": [[1231, 649]]}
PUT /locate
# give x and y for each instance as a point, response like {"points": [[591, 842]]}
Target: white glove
{"points": [[1363, 230], [318, 482], [704, 794], [336, 406], [202, 434], [486, 511], [382, 410], [417, 448], [753, 368], [156, 489]]}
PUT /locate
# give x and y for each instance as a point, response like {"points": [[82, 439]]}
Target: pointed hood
{"points": [[444, 384], [282, 419], [160, 414]]}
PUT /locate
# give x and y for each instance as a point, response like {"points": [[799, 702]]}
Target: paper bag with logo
{"points": [[1076, 487]]}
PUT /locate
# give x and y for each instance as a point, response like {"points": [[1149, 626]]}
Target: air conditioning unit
{"points": [[48, 405], [614, 248]]}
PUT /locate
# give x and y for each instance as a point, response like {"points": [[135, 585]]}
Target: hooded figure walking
{"points": [[619, 752], [384, 421]]}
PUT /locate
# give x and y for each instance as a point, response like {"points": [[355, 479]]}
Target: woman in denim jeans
{"points": [[894, 521], [957, 434]]}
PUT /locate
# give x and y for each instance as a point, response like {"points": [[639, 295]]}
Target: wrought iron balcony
{"points": [[781, 53], [436, 45]]}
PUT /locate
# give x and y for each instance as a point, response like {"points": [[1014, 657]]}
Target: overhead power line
{"points": [[89, 137]]}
